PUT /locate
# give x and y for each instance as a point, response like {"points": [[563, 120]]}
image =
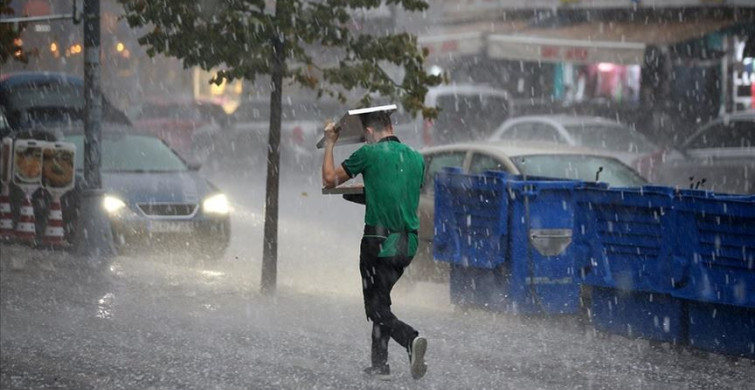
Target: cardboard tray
{"points": [[344, 190]]}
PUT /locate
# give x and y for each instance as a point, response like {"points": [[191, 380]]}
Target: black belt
{"points": [[402, 245], [385, 232]]}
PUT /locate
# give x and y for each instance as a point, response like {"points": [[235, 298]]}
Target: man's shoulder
{"points": [[414, 152]]}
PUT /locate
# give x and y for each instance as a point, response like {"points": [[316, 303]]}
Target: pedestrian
{"points": [[393, 174]]}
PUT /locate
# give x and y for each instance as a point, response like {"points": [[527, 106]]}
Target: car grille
{"points": [[167, 209]]}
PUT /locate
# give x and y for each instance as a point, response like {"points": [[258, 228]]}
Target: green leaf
{"points": [[320, 50]]}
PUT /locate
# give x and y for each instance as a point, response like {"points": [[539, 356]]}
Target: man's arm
{"points": [[332, 175]]}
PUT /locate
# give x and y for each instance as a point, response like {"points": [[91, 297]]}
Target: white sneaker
{"points": [[417, 357]]}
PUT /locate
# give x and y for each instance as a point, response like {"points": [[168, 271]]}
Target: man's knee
{"points": [[379, 312]]}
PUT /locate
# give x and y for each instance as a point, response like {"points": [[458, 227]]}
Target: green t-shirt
{"points": [[393, 174]]}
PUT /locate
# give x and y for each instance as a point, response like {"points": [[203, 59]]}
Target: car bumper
{"points": [[202, 234]]}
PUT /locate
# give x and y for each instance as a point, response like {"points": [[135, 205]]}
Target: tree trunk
{"points": [[93, 240], [270, 246]]}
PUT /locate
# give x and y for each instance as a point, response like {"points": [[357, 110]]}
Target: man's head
{"points": [[376, 125]]}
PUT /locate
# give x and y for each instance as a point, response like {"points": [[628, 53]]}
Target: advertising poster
{"points": [[58, 170], [27, 163]]}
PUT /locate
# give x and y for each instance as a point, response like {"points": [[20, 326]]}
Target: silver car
{"points": [[720, 156], [624, 142], [526, 158]]}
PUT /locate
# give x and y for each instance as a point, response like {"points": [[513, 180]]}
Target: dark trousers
{"points": [[379, 275]]}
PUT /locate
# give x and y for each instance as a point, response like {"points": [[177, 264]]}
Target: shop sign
{"points": [[469, 43], [569, 54], [517, 47]]}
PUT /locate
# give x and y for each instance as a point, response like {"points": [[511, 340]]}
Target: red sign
{"points": [[549, 51], [449, 46], [566, 53]]}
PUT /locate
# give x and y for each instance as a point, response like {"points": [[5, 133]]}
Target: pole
{"points": [[94, 239], [270, 245], [93, 95], [270, 250]]}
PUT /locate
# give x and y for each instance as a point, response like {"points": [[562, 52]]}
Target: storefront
{"points": [[681, 66]]}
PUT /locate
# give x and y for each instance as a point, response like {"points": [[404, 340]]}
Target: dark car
{"points": [[34, 99], [154, 200]]}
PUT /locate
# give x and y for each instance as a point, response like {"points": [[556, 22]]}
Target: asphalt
{"points": [[162, 322]]}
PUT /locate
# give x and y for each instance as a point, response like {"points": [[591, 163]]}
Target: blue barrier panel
{"points": [[626, 238], [719, 230], [626, 243], [541, 230], [470, 219], [508, 240], [724, 329], [719, 235], [654, 316]]}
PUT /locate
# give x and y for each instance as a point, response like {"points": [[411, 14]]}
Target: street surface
{"points": [[170, 322]]}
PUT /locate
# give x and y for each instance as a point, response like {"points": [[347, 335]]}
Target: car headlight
{"points": [[216, 204], [112, 204]]}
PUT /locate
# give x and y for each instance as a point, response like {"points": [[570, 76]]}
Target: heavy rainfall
{"points": [[586, 221]]}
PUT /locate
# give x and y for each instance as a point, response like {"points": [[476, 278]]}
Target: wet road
{"points": [[167, 322]]}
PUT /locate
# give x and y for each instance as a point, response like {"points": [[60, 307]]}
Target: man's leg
{"points": [[380, 337], [379, 348], [388, 273], [403, 333], [379, 275]]}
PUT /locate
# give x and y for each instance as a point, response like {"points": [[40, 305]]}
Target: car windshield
{"points": [[609, 136], [131, 153], [579, 167]]}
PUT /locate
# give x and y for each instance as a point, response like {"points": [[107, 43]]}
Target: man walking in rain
{"points": [[393, 175]]}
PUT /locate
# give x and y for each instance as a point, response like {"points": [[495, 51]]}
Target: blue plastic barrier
{"points": [[508, 240], [718, 232], [626, 238], [724, 329], [660, 263], [719, 289], [653, 316], [470, 219], [627, 244]]}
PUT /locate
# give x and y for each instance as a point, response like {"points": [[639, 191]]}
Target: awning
{"points": [[530, 48], [591, 42], [448, 42], [588, 42]]}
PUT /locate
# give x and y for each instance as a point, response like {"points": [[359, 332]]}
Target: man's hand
{"points": [[332, 131]]}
